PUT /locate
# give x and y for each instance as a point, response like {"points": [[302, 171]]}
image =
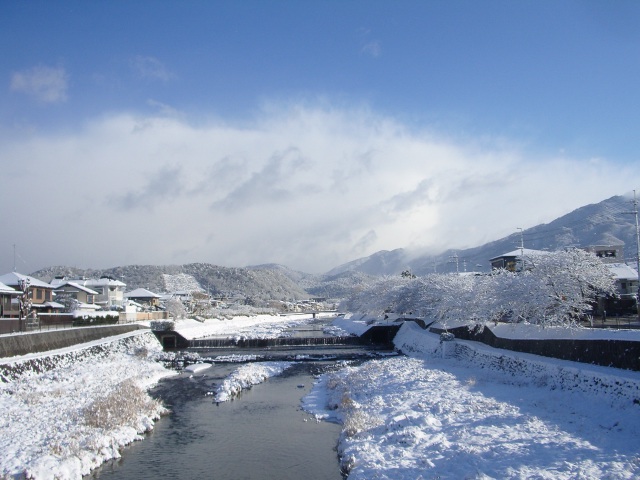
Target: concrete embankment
{"points": [[22, 344]]}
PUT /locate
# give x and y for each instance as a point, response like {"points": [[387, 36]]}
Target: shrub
{"points": [[95, 320], [162, 325], [123, 406]]}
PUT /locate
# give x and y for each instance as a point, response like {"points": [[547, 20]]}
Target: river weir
{"points": [[263, 433]]}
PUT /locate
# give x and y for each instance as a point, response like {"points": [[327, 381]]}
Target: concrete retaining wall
{"points": [[22, 344], [608, 353]]}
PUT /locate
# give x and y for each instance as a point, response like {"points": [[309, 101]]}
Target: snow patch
{"points": [[246, 376], [197, 367]]}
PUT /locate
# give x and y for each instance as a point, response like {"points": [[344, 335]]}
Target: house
{"points": [[109, 291], [76, 297], [626, 282], [8, 301], [144, 297], [39, 293], [607, 253], [512, 261]]}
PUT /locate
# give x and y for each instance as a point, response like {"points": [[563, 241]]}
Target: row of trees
{"points": [[556, 288]]}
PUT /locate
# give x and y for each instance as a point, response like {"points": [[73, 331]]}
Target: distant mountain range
{"points": [[604, 223], [256, 284]]}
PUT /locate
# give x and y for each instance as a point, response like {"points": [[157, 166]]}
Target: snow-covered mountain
{"points": [[604, 223], [257, 284]]}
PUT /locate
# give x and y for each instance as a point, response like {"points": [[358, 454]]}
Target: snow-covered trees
{"points": [[566, 284], [558, 288], [377, 297]]}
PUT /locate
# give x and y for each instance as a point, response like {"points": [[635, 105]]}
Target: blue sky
{"points": [[310, 133]]}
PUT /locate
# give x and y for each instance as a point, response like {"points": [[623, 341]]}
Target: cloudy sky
{"points": [[305, 133]]}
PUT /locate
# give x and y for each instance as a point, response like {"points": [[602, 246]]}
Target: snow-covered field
{"points": [[481, 413]]}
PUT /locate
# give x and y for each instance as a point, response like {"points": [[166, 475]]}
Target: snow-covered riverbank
{"points": [[481, 413], [89, 402]]}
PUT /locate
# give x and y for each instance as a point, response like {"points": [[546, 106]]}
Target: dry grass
{"points": [[123, 406]]}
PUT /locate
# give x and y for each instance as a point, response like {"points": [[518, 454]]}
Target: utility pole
{"points": [[635, 212], [455, 259], [522, 247]]}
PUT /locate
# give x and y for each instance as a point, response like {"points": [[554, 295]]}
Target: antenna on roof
{"points": [[14, 257]]}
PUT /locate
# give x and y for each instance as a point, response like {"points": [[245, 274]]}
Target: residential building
{"points": [[109, 291], [626, 281], [512, 261], [607, 253], [8, 301], [76, 297], [40, 293], [144, 297]]}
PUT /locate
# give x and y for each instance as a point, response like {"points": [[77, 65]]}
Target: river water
{"points": [[262, 434]]}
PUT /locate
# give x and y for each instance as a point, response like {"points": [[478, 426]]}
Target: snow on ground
{"points": [[66, 412], [246, 376], [254, 327], [480, 413], [354, 324], [197, 367]]}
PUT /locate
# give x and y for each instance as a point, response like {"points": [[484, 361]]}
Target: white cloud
{"points": [[372, 48], [150, 68], [45, 84], [303, 186]]}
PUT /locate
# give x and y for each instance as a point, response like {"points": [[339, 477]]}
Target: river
{"points": [[262, 434]]}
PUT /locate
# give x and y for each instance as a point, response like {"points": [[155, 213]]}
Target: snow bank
{"points": [[480, 413], [247, 376], [66, 413], [355, 324]]}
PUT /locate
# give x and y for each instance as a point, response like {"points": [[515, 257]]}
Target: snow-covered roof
{"points": [[100, 282], [7, 289], [78, 286], [622, 271], [141, 293], [13, 279], [89, 282], [54, 305], [520, 251], [87, 306]]}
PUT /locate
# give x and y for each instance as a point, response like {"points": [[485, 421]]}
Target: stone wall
{"points": [[22, 344], [608, 353]]}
